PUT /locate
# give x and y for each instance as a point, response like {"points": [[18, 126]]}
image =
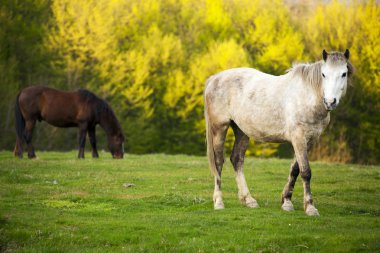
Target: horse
{"points": [[294, 107], [64, 109]]}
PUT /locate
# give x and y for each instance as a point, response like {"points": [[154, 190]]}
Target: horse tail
{"points": [[209, 141], [19, 120]]}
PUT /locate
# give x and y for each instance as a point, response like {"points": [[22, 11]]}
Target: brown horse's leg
{"points": [[237, 160], [18, 148], [288, 189], [28, 132], [219, 137], [82, 139], [92, 136], [300, 148]]}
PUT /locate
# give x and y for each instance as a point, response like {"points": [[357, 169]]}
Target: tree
{"points": [[150, 60], [354, 127], [22, 59]]}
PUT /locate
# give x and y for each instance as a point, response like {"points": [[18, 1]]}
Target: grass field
{"points": [[58, 203]]}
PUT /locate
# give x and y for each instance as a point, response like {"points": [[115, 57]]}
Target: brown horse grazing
{"points": [[80, 109]]}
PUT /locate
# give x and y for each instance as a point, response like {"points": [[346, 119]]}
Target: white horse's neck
{"points": [[306, 98]]}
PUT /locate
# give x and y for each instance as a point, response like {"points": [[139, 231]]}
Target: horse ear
{"points": [[324, 54], [347, 54]]}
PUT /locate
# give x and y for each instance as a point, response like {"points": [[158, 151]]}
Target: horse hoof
{"points": [[218, 206], [252, 203], [218, 200], [312, 211], [287, 206], [248, 201]]}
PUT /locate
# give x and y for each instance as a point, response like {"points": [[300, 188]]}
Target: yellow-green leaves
{"points": [[150, 59]]}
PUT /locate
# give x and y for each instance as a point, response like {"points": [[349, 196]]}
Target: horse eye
{"points": [[344, 74], [323, 75]]}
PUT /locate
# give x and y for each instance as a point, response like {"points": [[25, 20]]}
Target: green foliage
{"points": [[22, 56], [150, 60], [58, 203], [358, 118], [153, 67]]}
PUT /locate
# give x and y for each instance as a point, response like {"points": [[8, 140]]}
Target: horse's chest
{"points": [[312, 127]]}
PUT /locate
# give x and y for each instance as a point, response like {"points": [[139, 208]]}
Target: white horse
{"points": [[289, 108]]}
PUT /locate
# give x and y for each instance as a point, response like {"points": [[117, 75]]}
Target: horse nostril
{"points": [[328, 102]]}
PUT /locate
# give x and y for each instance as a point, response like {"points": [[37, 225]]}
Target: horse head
{"points": [[116, 145], [335, 71]]}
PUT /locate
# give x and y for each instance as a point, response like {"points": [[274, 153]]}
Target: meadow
{"points": [[163, 203]]}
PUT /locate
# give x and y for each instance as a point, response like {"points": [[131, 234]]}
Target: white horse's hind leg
{"points": [[237, 160], [244, 194], [217, 197], [219, 137]]}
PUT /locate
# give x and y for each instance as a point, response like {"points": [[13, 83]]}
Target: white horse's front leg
{"points": [[300, 149]]}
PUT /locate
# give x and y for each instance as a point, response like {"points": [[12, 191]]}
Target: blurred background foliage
{"points": [[150, 59]]}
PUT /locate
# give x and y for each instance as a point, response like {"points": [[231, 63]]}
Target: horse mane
{"points": [[310, 73], [101, 106]]}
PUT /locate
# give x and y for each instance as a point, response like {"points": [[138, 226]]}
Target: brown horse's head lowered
{"points": [[80, 109]]}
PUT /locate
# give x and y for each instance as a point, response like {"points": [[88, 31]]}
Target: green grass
{"points": [[57, 203]]}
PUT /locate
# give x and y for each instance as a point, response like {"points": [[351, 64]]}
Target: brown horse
{"points": [[80, 109]]}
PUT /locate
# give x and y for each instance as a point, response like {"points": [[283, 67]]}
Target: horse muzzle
{"points": [[330, 104], [118, 156]]}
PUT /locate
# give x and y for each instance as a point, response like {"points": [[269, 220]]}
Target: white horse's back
{"points": [[252, 99]]}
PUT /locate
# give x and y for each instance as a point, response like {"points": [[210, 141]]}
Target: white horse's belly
{"points": [[258, 109], [262, 126]]}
